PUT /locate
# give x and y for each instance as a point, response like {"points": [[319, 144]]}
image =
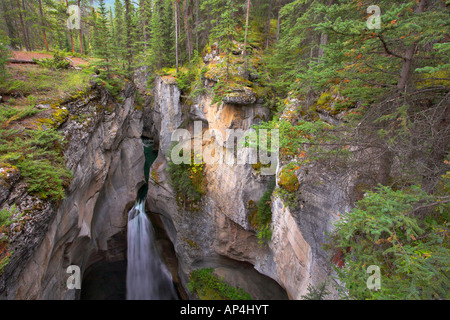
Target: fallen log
{"points": [[21, 61]]}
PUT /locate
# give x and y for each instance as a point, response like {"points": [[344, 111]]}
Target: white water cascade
{"points": [[147, 276]]}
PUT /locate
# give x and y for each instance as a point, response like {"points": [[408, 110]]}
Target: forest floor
{"points": [[29, 56], [32, 92]]}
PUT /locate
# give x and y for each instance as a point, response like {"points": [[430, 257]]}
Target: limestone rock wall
{"points": [[105, 154], [220, 229]]}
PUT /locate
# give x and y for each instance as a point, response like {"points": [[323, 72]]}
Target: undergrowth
{"points": [[209, 287]]}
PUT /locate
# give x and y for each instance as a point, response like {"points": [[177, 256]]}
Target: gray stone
{"points": [[244, 96]]}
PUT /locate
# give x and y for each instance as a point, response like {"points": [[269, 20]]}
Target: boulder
{"points": [[244, 96]]}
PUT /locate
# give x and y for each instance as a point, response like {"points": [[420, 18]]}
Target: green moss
{"points": [[39, 157], [57, 118], [191, 243], [208, 286], [324, 98], [188, 182], [263, 216], [288, 179]]}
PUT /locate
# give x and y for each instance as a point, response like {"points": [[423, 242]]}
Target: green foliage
{"points": [[38, 156], [4, 55], [264, 214], [8, 114], [209, 287], [56, 63], [263, 217], [6, 215], [292, 138], [188, 182], [318, 293], [290, 199], [6, 219], [264, 234], [288, 179], [185, 80], [405, 233]]}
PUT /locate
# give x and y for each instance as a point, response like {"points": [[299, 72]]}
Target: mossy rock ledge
{"points": [[244, 96]]}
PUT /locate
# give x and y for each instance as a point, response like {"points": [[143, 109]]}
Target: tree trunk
{"points": [[186, 27], [128, 29], [409, 56], [9, 23], [323, 37], [30, 44], [268, 24], [245, 40], [70, 31], [176, 33], [144, 24], [81, 30], [278, 23], [43, 24], [23, 26], [196, 25]]}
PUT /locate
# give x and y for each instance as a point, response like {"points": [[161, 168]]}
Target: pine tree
{"points": [[129, 33], [41, 11], [224, 31], [119, 49], [103, 37], [156, 48]]}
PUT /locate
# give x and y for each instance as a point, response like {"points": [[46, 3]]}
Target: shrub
{"points": [[405, 233], [188, 182], [209, 287], [5, 254], [39, 157], [288, 179], [58, 62], [264, 214], [5, 220], [4, 55], [5, 216]]}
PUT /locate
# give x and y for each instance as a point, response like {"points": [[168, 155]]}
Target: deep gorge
{"points": [[113, 162]]}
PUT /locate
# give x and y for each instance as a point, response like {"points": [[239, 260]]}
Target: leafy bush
{"points": [[209, 287], [5, 254], [292, 138], [4, 55], [38, 155], [288, 180], [188, 182], [8, 115], [5, 216], [6, 219], [318, 293], [405, 233], [264, 214], [185, 80], [56, 63]]}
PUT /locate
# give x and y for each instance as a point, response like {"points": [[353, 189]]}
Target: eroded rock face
{"points": [[106, 157], [244, 96], [220, 227], [105, 154]]}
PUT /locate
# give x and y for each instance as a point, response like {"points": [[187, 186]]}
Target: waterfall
{"points": [[147, 276]]}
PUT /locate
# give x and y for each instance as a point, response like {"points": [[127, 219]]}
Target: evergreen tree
{"points": [[224, 30], [156, 48], [103, 37], [119, 31]]}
